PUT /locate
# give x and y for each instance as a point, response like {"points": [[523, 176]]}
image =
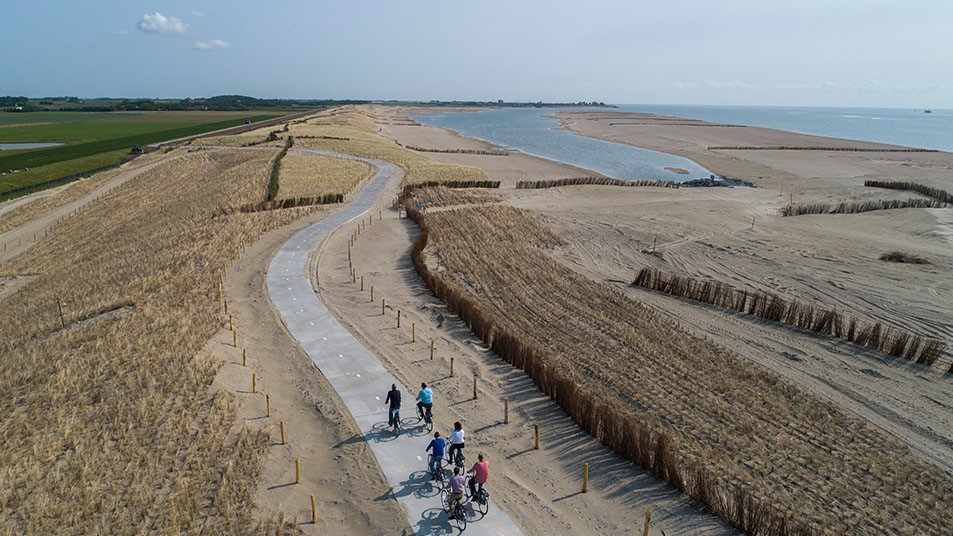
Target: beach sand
{"points": [[726, 234]]}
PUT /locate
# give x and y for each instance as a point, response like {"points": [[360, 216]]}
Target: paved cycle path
{"points": [[358, 376]]}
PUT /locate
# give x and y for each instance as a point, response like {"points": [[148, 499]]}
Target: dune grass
{"points": [[110, 425], [759, 452], [305, 176]]}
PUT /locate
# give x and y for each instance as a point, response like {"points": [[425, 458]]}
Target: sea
{"points": [[534, 132]]}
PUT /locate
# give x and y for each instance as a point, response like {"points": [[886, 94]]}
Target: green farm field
{"points": [[93, 140]]}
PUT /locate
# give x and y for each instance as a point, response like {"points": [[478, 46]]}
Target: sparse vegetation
{"points": [[109, 423], [764, 455], [818, 148], [457, 151], [901, 257], [442, 196], [352, 130], [794, 313]]}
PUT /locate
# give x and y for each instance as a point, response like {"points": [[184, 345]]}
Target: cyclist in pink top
{"points": [[481, 473], [457, 484]]}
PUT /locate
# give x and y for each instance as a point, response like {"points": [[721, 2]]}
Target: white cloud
{"points": [[157, 23], [214, 44]]}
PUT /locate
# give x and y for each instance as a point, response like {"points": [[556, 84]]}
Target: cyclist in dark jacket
{"points": [[393, 398]]}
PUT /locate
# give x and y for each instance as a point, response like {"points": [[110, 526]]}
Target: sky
{"points": [[872, 53]]}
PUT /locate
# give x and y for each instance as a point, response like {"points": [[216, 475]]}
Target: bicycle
{"points": [[395, 423], [482, 497], [427, 417], [458, 459], [437, 472], [459, 514]]}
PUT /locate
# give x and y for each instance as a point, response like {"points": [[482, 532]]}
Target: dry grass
{"points": [[764, 455], [45, 204], [109, 423], [935, 193], [602, 181], [352, 130], [258, 136], [316, 176], [440, 196]]}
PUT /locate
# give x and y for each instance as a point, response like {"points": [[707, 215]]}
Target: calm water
{"points": [[16, 146], [531, 132], [908, 127]]}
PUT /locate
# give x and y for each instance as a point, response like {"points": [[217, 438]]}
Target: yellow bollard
{"points": [[536, 445], [282, 425], [314, 510], [585, 477], [297, 471], [648, 519], [254, 383], [506, 410]]}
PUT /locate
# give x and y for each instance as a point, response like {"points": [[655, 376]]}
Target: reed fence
{"points": [[859, 206], [801, 315], [601, 181], [936, 193], [817, 148]]}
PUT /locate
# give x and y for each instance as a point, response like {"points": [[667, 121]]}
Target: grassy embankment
{"points": [[110, 425], [763, 454], [94, 140]]}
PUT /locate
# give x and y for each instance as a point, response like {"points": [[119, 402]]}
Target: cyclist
{"points": [[438, 444], [457, 484], [393, 399], [456, 442], [481, 473], [425, 400]]}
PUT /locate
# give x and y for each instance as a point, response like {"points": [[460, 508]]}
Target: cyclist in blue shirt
{"points": [[438, 444], [425, 399]]}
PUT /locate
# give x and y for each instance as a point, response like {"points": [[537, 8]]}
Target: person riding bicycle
{"points": [[425, 398], [393, 398], [456, 485], [456, 441], [481, 473], [438, 444]]}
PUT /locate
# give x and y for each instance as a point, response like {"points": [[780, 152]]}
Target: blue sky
{"points": [[815, 53]]}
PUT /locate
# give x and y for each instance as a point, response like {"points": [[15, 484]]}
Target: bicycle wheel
{"points": [[445, 499], [483, 501], [429, 425], [460, 517]]}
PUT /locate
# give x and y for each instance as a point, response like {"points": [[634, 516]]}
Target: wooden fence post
{"points": [[536, 428], [282, 425], [585, 477], [254, 383], [451, 367], [314, 510], [474, 388], [413, 332], [506, 410], [398, 318], [297, 471], [267, 405], [648, 518], [244, 357], [383, 304], [431, 349]]}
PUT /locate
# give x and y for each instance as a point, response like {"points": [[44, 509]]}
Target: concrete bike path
{"points": [[358, 376]]}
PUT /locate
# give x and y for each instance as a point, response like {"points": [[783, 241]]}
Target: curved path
{"points": [[356, 374]]}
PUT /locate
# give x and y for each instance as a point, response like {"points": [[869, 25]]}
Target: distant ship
{"points": [[928, 111]]}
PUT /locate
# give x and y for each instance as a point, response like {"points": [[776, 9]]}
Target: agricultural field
{"points": [[111, 425], [94, 140], [756, 449]]}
